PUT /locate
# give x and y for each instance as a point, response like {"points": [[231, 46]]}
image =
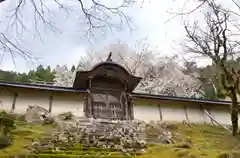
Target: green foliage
{"points": [[18, 117], [193, 141], [210, 78], [40, 74], [75, 156], [5, 141], [24, 135], [196, 141], [7, 122]]}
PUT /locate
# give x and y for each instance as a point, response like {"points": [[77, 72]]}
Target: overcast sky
{"points": [[67, 46]]}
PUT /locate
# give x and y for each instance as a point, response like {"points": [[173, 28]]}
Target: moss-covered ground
{"points": [[23, 135], [197, 141], [194, 141]]}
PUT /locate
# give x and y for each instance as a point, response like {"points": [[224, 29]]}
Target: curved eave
{"points": [[81, 76], [109, 63], [78, 75]]}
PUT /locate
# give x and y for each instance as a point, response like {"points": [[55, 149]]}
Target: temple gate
{"points": [[109, 87]]}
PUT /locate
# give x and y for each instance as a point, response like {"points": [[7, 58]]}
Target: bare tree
{"points": [[214, 41], [201, 4], [96, 14]]}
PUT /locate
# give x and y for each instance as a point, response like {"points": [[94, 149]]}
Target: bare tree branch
{"points": [[96, 13], [160, 75], [200, 5]]}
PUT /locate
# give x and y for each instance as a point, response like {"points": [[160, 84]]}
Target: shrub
{"points": [[66, 116], [7, 122], [48, 120], [19, 117], [5, 141]]}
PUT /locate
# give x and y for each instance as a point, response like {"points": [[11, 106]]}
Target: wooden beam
{"points": [[209, 115], [186, 113], [202, 110], [160, 112], [131, 111], [89, 99], [85, 106], [89, 107], [15, 95], [50, 103]]}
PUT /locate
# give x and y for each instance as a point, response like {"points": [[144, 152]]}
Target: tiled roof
{"points": [[138, 95], [40, 86], [175, 98]]}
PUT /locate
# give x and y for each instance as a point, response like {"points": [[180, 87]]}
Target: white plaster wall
{"points": [[221, 114], [173, 113], [64, 102], [146, 112], [68, 103], [177, 113], [6, 100], [195, 114], [26, 98]]}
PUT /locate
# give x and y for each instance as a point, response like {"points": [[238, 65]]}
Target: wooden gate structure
{"points": [[109, 86]]}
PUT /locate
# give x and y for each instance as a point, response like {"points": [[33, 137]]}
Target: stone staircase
{"points": [[80, 152], [102, 124], [104, 133]]}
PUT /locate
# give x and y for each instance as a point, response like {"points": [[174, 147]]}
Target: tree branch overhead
{"points": [[96, 14]]}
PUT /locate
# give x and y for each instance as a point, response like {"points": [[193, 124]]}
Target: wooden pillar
{"points": [[127, 103], [131, 116], [50, 103], [186, 114], [89, 100], [123, 105], [202, 110], [127, 106], [88, 106], [130, 107], [15, 95], [160, 112], [85, 106]]}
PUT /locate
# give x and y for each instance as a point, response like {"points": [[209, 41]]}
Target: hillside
{"points": [[197, 141], [188, 141]]}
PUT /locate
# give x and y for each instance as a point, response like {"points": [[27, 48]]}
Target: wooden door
{"points": [[107, 106]]}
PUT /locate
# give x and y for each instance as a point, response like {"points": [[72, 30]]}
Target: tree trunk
{"points": [[234, 113]]}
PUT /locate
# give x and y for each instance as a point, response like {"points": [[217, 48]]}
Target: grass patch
{"points": [[194, 141], [197, 141], [23, 136]]}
